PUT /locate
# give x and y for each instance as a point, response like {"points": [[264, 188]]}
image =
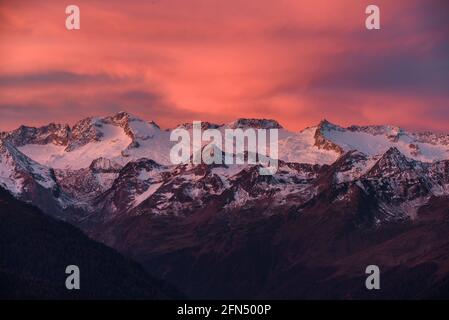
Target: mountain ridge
{"points": [[101, 151], [341, 198]]}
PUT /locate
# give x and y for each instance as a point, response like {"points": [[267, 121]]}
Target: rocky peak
{"points": [[393, 162], [394, 156], [22, 175], [204, 125], [104, 165], [321, 140], [122, 116], [325, 125], [138, 165], [83, 132], [136, 128], [244, 123], [53, 133]]}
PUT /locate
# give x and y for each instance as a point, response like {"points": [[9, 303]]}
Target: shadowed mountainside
{"points": [[35, 250]]}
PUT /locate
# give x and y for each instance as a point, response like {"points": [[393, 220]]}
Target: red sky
{"points": [[175, 61]]}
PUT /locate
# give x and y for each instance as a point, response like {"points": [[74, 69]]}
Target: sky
{"points": [[175, 61]]}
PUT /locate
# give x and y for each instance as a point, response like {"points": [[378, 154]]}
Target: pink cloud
{"points": [[296, 61]]}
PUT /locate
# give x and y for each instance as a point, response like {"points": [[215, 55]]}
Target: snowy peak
{"points": [[323, 137], [90, 129], [120, 138], [123, 137], [84, 132], [325, 125], [393, 155], [122, 117], [131, 123], [132, 186], [392, 161], [120, 165], [19, 174], [136, 128]]}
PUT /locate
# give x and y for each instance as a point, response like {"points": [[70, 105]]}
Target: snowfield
{"points": [[377, 144], [113, 142]]}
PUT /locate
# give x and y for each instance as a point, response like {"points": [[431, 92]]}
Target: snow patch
{"points": [[142, 197], [114, 140]]}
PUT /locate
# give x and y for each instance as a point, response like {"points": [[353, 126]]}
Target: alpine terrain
{"points": [[342, 199]]}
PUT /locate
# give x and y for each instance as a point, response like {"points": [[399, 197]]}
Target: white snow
{"points": [[142, 197], [300, 147], [372, 145], [13, 165], [42, 176], [106, 179], [10, 183], [112, 143], [7, 171]]}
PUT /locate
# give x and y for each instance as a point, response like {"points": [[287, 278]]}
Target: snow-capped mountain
{"points": [[121, 138], [375, 140], [17, 171], [120, 165], [30, 181], [125, 138], [341, 198]]}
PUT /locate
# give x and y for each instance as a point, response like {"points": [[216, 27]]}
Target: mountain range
{"points": [[343, 198]]}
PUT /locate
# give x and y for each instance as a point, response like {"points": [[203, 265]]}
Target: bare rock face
{"points": [[255, 123], [52, 133], [104, 165], [204, 125], [322, 142], [84, 132], [29, 181]]}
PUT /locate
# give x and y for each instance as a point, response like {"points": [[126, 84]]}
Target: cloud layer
{"points": [[181, 60]]}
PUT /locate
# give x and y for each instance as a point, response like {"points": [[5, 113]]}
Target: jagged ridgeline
{"points": [[340, 197]]}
